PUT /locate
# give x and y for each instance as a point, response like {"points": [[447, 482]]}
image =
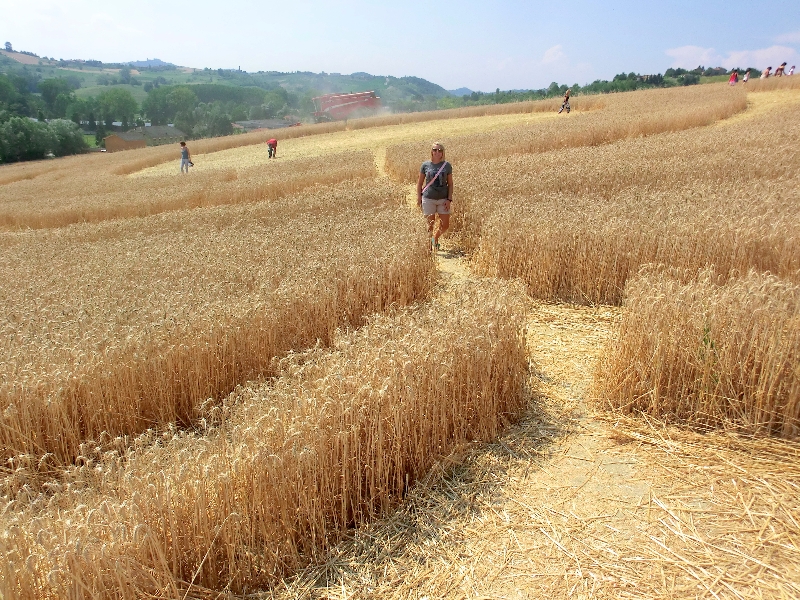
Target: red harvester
{"points": [[337, 107]]}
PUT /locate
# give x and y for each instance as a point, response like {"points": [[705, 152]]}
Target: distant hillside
{"points": [[91, 77], [461, 92], [150, 62]]}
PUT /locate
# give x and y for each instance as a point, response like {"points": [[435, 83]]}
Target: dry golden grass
{"points": [[627, 115], [583, 248], [575, 224], [335, 441], [150, 157], [91, 188], [375, 139], [116, 327], [708, 353], [575, 504], [58, 198], [717, 518], [149, 315]]}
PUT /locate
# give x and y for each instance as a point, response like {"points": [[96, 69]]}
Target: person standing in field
{"points": [[779, 70], [765, 73], [734, 78], [746, 77], [791, 71], [565, 104], [186, 158], [435, 192], [272, 146]]}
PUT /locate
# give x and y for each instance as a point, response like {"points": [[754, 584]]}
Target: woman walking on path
{"points": [[746, 77], [734, 78], [186, 158], [435, 192]]}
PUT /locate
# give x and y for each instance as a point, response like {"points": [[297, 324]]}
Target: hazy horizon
{"points": [[508, 45]]}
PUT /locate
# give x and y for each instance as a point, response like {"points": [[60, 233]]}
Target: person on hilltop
{"points": [[565, 104], [779, 70], [435, 192], [791, 71], [734, 79], [746, 77], [765, 73], [186, 158], [272, 148]]}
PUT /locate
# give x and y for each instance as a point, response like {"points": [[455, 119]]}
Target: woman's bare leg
{"points": [[444, 223]]}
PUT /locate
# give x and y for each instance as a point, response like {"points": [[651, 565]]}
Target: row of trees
{"points": [[209, 109], [204, 110], [623, 82], [24, 139]]}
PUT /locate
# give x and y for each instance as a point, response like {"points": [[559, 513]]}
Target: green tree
{"points": [[62, 102], [51, 88], [69, 138], [23, 139], [156, 105], [119, 104], [7, 91], [180, 100]]}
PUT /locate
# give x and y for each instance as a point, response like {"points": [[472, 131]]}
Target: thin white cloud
{"points": [[689, 57], [789, 38], [554, 55], [772, 56]]}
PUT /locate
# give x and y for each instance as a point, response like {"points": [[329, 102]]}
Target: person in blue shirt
{"points": [[186, 158]]}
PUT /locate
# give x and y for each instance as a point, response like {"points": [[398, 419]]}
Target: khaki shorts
{"points": [[433, 207]]}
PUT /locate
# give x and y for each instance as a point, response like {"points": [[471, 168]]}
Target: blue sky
{"points": [[505, 44]]}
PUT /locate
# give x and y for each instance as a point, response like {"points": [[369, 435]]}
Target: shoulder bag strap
{"points": [[439, 172]]}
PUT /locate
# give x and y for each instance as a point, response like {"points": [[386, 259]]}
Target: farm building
{"points": [[257, 124], [127, 140], [141, 137], [156, 135]]}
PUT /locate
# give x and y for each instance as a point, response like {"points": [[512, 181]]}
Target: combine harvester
{"points": [[339, 107]]}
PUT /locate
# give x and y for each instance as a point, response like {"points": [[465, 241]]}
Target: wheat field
{"points": [[283, 469], [256, 380], [577, 223], [710, 351], [125, 325]]}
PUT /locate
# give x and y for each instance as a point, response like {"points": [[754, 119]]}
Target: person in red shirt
{"points": [[272, 145]]}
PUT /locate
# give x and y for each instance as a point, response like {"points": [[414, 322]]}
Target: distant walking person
{"points": [[272, 146], [746, 77], [734, 78], [779, 70], [186, 158], [435, 192], [765, 73], [565, 104], [791, 71]]}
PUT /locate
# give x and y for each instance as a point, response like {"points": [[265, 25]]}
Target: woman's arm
{"points": [[420, 184]]}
